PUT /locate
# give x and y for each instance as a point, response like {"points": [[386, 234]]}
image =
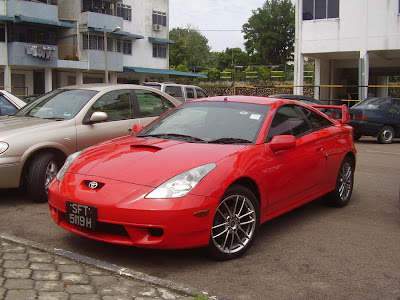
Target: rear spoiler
{"points": [[345, 112]]}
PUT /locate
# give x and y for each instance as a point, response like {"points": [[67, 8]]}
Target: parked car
{"points": [[181, 92], [9, 103], [31, 97], [305, 99], [205, 174], [377, 117], [35, 141]]}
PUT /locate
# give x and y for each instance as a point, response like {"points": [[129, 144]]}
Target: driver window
{"points": [[116, 104], [289, 120]]}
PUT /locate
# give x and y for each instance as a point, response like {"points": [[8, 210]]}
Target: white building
{"points": [[46, 44], [355, 44]]}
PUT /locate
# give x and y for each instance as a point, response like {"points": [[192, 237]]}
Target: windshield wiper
{"points": [[176, 135], [54, 118], [230, 141]]}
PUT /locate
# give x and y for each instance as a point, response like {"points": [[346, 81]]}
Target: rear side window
{"points": [[174, 91], [190, 93], [200, 93], [151, 104], [6, 108], [395, 107]]}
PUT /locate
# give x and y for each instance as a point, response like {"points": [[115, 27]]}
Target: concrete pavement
{"points": [[32, 271]]}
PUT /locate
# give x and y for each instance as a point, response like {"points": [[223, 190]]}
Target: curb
{"points": [[117, 270]]}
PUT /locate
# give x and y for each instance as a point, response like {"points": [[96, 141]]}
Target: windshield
{"points": [[371, 103], [210, 122], [59, 104]]}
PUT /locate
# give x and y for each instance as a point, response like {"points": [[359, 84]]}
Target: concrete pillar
{"points": [[317, 79], [298, 56], [7, 78], [363, 75], [79, 77], [113, 77], [382, 91], [48, 80]]}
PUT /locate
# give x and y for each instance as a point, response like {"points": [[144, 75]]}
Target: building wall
{"points": [[352, 31]]}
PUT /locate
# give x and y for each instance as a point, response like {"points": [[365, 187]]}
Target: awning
{"points": [[162, 71], [120, 32], [159, 40], [19, 19], [6, 18]]}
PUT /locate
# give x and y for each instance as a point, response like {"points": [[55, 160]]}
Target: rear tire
{"points": [[235, 224], [42, 171], [386, 135], [340, 196]]}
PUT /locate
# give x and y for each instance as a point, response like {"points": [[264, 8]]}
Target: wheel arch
{"points": [[249, 184], [61, 156], [351, 156]]}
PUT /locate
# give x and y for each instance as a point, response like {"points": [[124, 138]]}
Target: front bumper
{"points": [[125, 217]]}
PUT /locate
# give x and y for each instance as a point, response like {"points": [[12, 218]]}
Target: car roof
{"points": [[101, 86]]}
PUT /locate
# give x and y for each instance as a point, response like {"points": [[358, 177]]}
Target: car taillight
{"points": [[360, 117]]}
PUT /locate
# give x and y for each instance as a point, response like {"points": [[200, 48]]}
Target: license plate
{"points": [[81, 215]]}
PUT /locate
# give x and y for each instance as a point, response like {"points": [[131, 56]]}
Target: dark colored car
{"points": [[378, 117], [301, 98]]}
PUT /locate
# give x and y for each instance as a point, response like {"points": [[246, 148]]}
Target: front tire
{"points": [[42, 171], [386, 135], [340, 196], [235, 224]]}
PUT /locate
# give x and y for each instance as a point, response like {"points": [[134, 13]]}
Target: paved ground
{"points": [[32, 271]]}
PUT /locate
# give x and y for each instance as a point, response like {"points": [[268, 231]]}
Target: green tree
{"points": [[232, 57], [190, 49], [269, 32]]}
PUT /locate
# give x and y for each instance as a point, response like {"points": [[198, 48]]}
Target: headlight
{"points": [[181, 184], [3, 147], [67, 163]]}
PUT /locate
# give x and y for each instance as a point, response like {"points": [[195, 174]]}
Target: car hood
{"points": [[148, 162], [10, 125]]}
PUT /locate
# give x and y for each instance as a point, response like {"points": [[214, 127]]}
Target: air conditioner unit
{"points": [[156, 27]]}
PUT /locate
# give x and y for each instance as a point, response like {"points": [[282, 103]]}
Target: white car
{"points": [[182, 92], [9, 103]]}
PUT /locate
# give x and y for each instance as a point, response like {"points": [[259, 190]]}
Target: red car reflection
{"points": [[206, 174]]}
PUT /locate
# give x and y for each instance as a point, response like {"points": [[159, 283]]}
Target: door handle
{"points": [[129, 128], [320, 149]]}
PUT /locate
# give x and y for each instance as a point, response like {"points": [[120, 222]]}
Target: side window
{"points": [[174, 91], [200, 93], [117, 105], [317, 121], [189, 93], [289, 120], [395, 107], [151, 104]]}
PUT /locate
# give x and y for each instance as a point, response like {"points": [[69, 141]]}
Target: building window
{"points": [[124, 46], [320, 9], [108, 7], [160, 50], [96, 42], [2, 33], [159, 18], [124, 11]]}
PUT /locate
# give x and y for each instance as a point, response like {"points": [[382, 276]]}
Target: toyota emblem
{"points": [[93, 185]]}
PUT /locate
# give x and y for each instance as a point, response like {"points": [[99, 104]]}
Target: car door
{"points": [[295, 174], [118, 106]]}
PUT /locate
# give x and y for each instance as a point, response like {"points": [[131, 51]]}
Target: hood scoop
{"points": [[150, 148]]}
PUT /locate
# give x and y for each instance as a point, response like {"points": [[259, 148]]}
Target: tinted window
{"points": [[151, 104], [371, 103], [320, 9], [308, 9], [316, 120], [395, 107], [289, 120], [117, 105], [333, 9], [190, 93], [174, 91]]}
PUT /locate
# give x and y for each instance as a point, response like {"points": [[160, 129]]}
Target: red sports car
{"points": [[206, 174]]}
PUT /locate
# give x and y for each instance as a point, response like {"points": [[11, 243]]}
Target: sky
{"points": [[218, 16]]}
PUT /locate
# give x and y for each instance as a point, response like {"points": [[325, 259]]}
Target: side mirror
{"points": [[282, 142], [137, 128], [98, 116]]}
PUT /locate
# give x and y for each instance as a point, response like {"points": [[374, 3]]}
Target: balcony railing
{"points": [[50, 2], [108, 8]]}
